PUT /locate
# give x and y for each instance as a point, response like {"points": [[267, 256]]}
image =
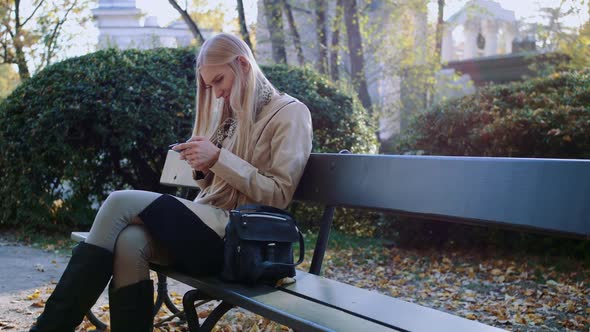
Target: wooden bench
{"points": [[544, 195]]}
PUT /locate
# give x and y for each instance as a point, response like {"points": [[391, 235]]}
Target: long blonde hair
{"points": [[224, 49]]}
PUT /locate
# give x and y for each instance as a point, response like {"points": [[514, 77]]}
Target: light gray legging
{"points": [[117, 228]]}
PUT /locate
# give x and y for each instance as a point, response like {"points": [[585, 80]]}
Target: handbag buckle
{"points": [[270, 251]]}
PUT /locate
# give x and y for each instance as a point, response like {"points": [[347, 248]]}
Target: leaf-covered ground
{"points": [[513, 291]]}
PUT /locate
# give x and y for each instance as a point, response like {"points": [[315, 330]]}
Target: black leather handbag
{"points": [[259, 245]]}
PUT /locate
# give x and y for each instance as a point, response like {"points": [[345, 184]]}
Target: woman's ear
{"points": [[244, 63]]}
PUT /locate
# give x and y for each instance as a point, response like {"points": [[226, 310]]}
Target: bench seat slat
{"points": [[396, 313], [294, 311]]}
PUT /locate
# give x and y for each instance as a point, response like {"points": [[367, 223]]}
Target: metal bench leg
{"points": [[188, 302], [216, 315], [100, 326], [163, 297]]}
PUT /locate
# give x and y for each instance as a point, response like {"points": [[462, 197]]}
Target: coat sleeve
{"points": [[290, 147]]}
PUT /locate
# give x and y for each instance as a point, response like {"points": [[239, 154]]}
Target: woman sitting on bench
{"points": [[250, 145]]}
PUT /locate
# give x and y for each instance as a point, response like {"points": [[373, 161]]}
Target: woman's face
{"points": [[220, 78]]}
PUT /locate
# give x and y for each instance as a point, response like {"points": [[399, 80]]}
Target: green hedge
{"points": [[89, 125], [544, 117]]}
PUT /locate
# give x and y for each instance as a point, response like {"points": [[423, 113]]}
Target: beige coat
{"points": [[282, 144]]}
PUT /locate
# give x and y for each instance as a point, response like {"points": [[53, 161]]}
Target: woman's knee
{"points": [[117, 199], [127, 204], [133, 244]]}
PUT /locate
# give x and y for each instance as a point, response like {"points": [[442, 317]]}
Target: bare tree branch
{"points": [[192, 25], [33, 13], [52, 42]]}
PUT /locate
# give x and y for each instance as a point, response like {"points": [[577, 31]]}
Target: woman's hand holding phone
{"points": [[199, 153]]}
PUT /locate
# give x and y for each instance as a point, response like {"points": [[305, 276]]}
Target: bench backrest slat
{"points": [[543, 194], [551, 195]]}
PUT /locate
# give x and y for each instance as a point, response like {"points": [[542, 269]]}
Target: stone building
{"points": [[488, 29], [119, 25]]}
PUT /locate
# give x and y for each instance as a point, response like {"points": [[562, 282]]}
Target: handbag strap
{"points": [[301, 249], [301, 255]]}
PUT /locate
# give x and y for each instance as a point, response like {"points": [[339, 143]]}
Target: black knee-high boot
{"points": [[132, 307], [82, 282]]}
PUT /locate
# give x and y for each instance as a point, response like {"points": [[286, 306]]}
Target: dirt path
{"points": [[27, 278], [25, 271]]}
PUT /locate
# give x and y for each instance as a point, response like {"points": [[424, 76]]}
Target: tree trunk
{"points": [[321, 30], [274, 23], [296, 37], [243, 26], [21, 61], [355, 46], [335, 45], [192, 25], [439, 28]]}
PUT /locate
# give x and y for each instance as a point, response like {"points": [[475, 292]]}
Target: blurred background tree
{"points": [[32, 34], [577, 46]]}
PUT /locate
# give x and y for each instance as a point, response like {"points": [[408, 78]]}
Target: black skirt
{"points": [[194, 247]]}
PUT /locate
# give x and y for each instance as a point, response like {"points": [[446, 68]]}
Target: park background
{"points": [[93, 92]]}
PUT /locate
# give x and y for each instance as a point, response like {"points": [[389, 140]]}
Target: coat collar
{"points": [[277, 102]]}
